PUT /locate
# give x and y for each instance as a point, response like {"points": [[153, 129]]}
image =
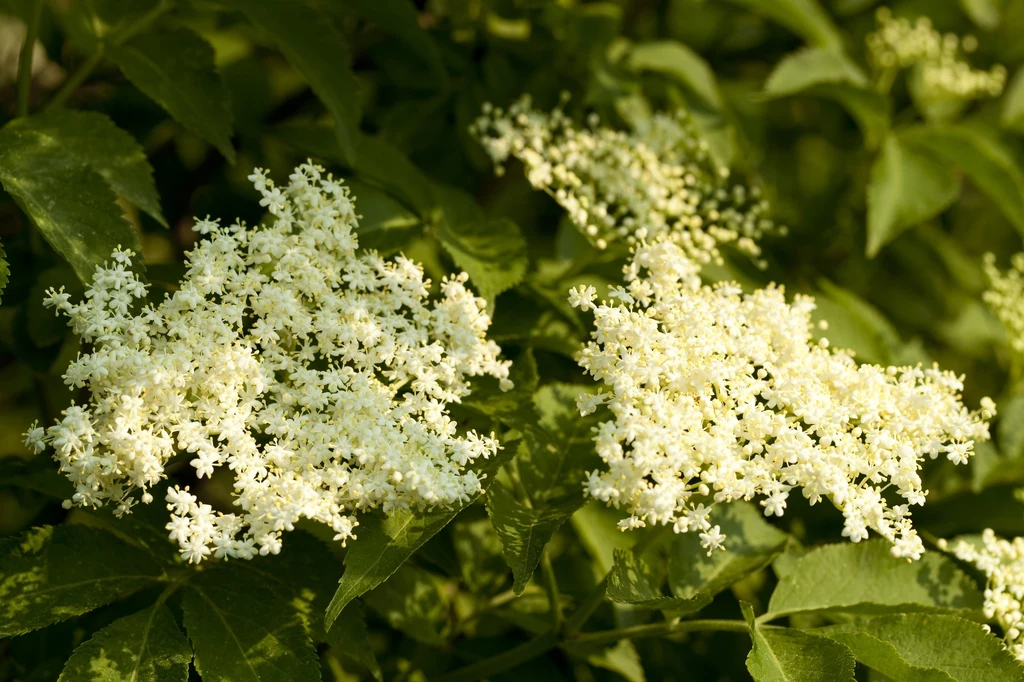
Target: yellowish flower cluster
{"points": [[318, 376], [716, 395], [627, 186], [1002, 562], [1005, 296], [900, 44]]}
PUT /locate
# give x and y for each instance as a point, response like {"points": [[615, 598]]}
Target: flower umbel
{"points": [[716, 396], [1002, 562], [319, 376], [625, 186], [900, 44]]}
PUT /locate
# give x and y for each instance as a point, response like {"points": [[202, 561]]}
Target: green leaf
{"points": [[313, 45], [634, 581], [985, 14], [822, 580], [803, 17], [854, 324], [552, 462], [144, 647], [49, 574], [380, 162], [984, 159], [828, 72], [492, 252], [5, 271], [399, 19], [953, 645], [411, 601], [1013, 103], [241, 629], [786, 655], [350, 638], [885, 658], [384, 223], [46, 168], [751, 544], [813, 66], [175, 69], [1010, 430], [386, 542], [908, 186], [677, 61]]}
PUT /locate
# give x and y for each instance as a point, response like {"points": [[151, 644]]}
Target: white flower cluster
{"points": [[1002, 562], [900, 44], [717, 396], [318, 375], [1005, 296], [627, 186]]}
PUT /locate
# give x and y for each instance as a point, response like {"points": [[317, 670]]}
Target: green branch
{"points": [[658, 630], [25, 58]]}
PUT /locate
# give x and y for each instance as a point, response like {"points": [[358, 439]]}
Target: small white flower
{"points": [[1002, 562], [317, 374], [727, 396]]}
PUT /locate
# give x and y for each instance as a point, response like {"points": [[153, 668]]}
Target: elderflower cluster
{"points": [[627, 186], [901, 44], [318, 375], [716, 396], [1005, 296], [1002, 562]]}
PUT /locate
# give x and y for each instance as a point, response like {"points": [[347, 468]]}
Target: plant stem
{"points": [[25, 58], [658, 630], [551, 584], [118, 37], [512, 658], [76, 79]]}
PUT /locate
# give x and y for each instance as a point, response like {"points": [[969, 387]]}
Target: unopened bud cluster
{"points": [[716, 395], [1002, 562], [316, 375], [900, 44], [1005, 296], [627, 186]]}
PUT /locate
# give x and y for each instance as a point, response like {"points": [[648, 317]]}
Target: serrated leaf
{"points": [[751, 544], [953, 645], [386, 542], [980, 155], [241, 629], [49, 574], [350, 638], [67, 200], [822, 581], [679, 62], [885, 658], [384, 224], [93, 140], [319, 50], [552, 462], [175, 68], [803, 17], [492, 252], [143, 647], [908, 186], [634, 581], [787, 655], [854, 324], [514, 407], [622, 658], [379, 161]]}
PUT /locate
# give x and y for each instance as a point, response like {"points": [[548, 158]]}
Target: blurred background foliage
{"points": [[400, 83]]}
